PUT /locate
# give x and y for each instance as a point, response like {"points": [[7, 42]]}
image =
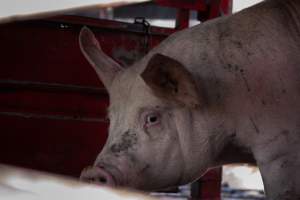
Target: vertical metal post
{"points": [[208, 187], [182, 19]]}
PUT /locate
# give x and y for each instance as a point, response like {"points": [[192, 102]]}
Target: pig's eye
{"points": [[152, 119]]}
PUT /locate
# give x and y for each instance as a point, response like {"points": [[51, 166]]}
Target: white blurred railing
{"points": [[24, 184]]}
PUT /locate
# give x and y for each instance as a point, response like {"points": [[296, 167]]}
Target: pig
{"points": [[222, 92]]}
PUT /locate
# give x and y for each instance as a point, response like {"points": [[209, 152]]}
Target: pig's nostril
{"points": [[98, 175], [102, 180]]}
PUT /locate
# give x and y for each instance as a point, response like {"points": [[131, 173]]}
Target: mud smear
{"points": [[128, 141]]}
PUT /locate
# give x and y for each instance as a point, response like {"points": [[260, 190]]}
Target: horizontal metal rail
{"points": [[6, 85], [53, 117]]}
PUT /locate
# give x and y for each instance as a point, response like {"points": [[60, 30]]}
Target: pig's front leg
{"points": [[281, 176]]}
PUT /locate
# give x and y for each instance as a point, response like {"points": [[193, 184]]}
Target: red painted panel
{"points": [[52, 105], [58, 146], [78, 105], [54, 55]]}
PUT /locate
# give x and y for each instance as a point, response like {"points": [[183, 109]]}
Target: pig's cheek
{"points": [[154, 132]]}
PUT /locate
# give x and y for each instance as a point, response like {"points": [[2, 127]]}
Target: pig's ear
{"points": [[105, 67], [169, 79]]}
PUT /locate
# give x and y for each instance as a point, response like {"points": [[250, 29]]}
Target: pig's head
{"points": [[149, 144]]}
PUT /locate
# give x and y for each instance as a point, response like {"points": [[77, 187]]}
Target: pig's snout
{"points": [[97, 175]]}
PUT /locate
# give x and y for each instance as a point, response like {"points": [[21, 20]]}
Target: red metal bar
{"points": [[108, 24], [182, 19], [208, 187], [226, 7], [220, 8], [183, 4]]}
